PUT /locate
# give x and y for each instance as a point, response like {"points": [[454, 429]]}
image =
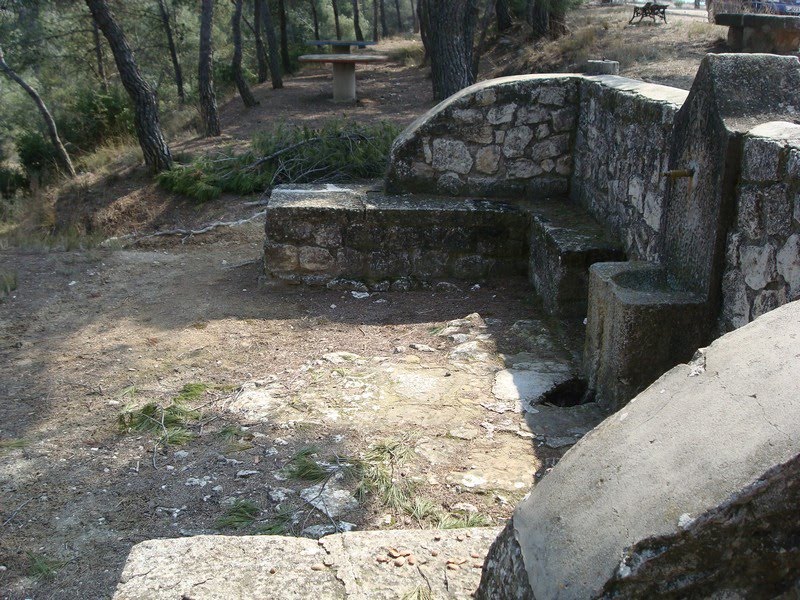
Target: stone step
{"points": [[353, 565], [564, 242]]}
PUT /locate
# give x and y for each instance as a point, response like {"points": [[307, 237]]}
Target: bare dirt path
{"points": [[88, 333]]}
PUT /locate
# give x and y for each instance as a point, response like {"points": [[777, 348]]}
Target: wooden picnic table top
{"points": [[339, 43], [343, 58]]}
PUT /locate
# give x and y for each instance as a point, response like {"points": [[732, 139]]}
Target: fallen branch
{"points": [[185, 232], [282, 151]]}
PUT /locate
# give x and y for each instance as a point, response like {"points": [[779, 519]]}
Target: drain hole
{"points": [[570, 393]]}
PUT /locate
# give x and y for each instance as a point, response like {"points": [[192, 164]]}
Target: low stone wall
{"points": [[621, 148], [763, 250], [504, 137]]}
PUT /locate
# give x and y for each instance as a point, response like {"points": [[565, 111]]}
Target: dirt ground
{"points": [[88, 335]]}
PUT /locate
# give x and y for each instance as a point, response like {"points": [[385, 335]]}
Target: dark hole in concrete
{"points": [[570, 393]]}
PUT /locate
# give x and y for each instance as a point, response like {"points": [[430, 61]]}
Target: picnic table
{"points": [[344, 65], [652, 10]]}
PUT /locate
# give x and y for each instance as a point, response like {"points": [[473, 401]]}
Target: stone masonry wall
{"points": [[762, 268], [505, 137], [621, 148]]}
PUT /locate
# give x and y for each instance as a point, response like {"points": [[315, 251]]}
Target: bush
{"points": [[11, 180], [339, 151], [96, 117], [36, 153]]}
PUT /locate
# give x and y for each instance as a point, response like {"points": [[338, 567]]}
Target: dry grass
{"points": [[663, 53]]}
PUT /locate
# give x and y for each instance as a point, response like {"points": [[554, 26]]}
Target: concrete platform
{"points": [[357, 565]]}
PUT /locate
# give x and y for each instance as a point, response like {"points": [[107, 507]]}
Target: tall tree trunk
{"points": [[503, 15], [374, 20], [61, 152], [272, 44], [487, 19], [399, 16], [384, 26], [414, 17], [336, 20], [287, 65], [236, 64], [448, 28], [148, 128], [538, 17], [98, 52], [356, 23], [261, 53], [176, 65], [315, 16], [205, 79]]}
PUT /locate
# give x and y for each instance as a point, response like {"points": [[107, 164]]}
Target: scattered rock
{"points": [[339, 358], [423, 348], [245, 473], [329, 499], [469, 352], [528, 382], [463, 433], [360, 295]]}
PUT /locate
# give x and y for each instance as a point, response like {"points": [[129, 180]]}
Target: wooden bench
{"points": [[652, 10]]}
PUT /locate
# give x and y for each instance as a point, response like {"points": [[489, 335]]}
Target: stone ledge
{"points": [[288, 568]]}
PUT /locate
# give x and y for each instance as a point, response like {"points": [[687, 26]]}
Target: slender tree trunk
{"points": [[205, 79], [287, 65], [399, 16], [176, 65], [261, 53], [356, 23], [61, 152], [148, 128], [384, 26], [315, 16], [238, 76], [336, 20], [487, 19], [414, 16], [98, 52], [272, 44], [448, 29], [538, 17], [503, 15], [374, 20]]}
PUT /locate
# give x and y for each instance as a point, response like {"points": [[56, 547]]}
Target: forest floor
{"points": [[290, 383]]}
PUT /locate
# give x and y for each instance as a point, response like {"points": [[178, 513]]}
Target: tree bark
{"points": [[236, 64], [375, 20], [315, 16], [384, 26], [357, 23], [205, 79], [52, 131], [286, 63], [336, 20], [98, 52], [176, 65], [415, 17], [399, 16], [148, 128], [261, 53], [448, 28], [503, 15], [272, 44], [538, 17], [487, 18]]}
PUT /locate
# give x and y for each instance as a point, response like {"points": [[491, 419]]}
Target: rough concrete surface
{"points": [[695, 479], [366, 564]]}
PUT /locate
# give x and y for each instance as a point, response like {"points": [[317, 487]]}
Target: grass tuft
{"points": [[42, 567], [8, 283], [304, 466], [462, 520], [242, 514], [418, 593]]}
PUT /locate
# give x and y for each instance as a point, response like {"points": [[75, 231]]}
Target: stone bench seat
{"points": [[320, 233], [564, 242], [317, 234], [774, 34]]}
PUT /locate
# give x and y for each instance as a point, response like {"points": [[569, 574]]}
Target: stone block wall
{"points": [[621, 148], [504, 137], [762, 269]]}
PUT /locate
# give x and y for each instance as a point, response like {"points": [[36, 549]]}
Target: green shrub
{"points": [[11, 180], [96, 117], [35, 151], [337, 152]]}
